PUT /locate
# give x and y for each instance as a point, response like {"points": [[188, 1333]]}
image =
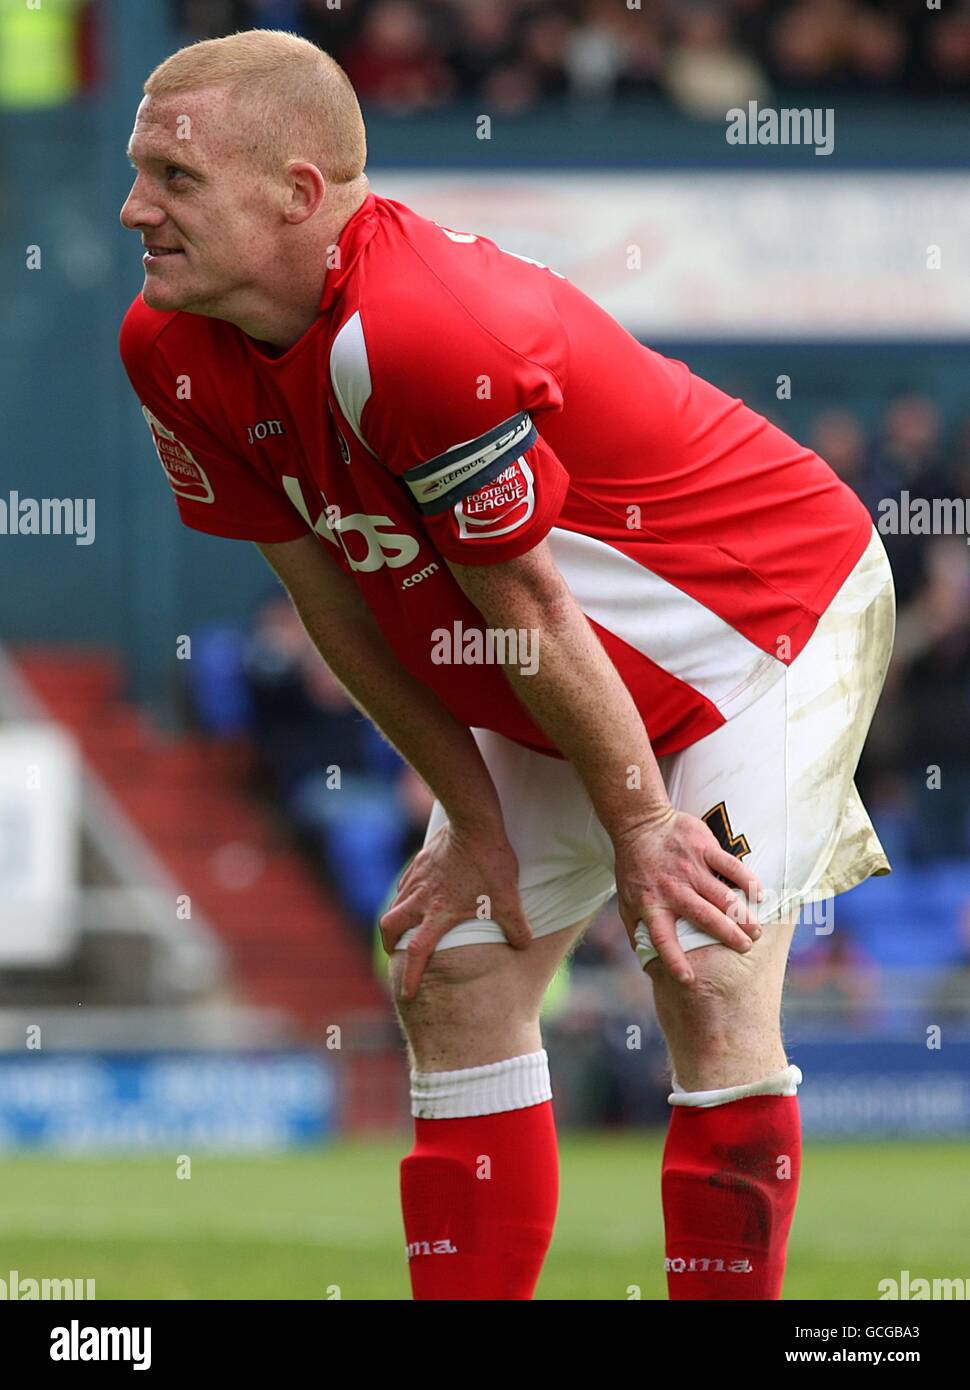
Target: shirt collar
{"points": [[356, 233]]}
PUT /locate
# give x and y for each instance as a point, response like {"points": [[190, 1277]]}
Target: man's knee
{"points": [[492, 970], [721, 976], [476, 1004], [458, 967], [725, 1028], [724, 975], [727, 983], [468, 986]]}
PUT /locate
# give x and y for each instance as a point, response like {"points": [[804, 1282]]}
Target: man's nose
{"points": [[139, 211]]}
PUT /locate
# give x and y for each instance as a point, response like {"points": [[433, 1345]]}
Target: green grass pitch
{"points": [[299, 1225]]}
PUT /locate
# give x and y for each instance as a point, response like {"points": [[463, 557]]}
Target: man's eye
{"points": [[172, 171]]}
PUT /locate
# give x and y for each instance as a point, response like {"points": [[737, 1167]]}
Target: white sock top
{"points": [[783, 1083], [510, 1085]]}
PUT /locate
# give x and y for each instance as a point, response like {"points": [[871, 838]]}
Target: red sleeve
{"points": [[216, 491], [457, 414]]}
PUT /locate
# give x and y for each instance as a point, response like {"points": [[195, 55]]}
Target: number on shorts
{"points": [[718, 822]]}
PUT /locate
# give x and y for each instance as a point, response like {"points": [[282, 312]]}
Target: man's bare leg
{"points": [[725, 1029], [480, 1188], [480, 1004], [732, 1159]]}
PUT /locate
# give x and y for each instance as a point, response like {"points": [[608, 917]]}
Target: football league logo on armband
{"points": [[501, 506], [188, 478]]}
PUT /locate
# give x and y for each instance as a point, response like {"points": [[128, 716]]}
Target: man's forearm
{"points": [[578, 699], [409, 715], [576, 694]]}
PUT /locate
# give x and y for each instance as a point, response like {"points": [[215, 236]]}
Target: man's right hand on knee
{"points": [[459, 875]]}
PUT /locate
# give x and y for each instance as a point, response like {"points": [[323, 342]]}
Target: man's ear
{"points": [[306, 189]]}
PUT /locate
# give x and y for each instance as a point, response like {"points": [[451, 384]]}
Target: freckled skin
{"points": [[254, 245]]}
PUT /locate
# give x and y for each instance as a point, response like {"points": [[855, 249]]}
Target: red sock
{"points": [[729, 1183], [479, 1196]]}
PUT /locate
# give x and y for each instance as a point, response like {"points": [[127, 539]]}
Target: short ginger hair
{"points": [[294, 101]]}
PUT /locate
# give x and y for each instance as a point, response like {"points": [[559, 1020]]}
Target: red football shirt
{"points": [[454, 401]]}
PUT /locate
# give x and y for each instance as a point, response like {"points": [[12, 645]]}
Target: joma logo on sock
{"points": [[702, 1264], [431, 1247]]}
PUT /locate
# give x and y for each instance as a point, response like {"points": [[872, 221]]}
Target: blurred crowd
{"points": [[922, 721], [703, 55], [903, 946]]}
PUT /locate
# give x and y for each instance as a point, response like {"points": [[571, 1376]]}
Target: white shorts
{"points": [[781, 770]]}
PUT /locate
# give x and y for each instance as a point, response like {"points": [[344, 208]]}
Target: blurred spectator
{"points": [[706, 72], [596, 53], [911, 446], [878, 51], [838, 437], [545, 42], [484, 42], [395, 62], [809, 47], [907, 456], [948, 52], [934, 653], [644, 53]]}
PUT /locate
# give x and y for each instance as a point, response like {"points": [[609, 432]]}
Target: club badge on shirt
{"points": [[187, 477]]}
